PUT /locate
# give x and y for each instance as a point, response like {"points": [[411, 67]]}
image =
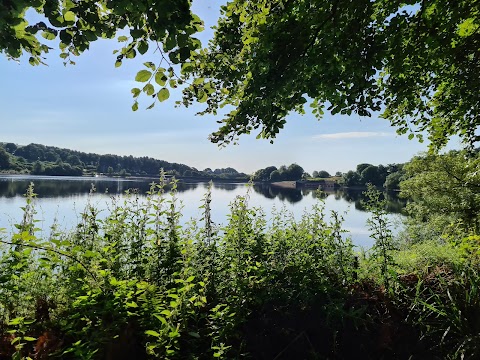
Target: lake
{"points": [[64, 198]]}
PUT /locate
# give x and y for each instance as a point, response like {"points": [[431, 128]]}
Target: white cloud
{"points": [[351, 135]]}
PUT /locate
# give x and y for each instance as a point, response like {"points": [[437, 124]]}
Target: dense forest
{"points": [[49, 160]]}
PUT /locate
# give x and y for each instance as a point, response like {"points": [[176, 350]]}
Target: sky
{"points": [[87, 107]]}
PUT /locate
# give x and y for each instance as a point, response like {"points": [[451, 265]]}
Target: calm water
{"points": [[64, 198]]}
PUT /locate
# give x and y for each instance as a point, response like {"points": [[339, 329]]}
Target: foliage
{"points": [[49, 160], [423, 256], [444, 188], [167, 26], [4, 159], [380, 231], [351, 178], [393, 180], [375, 175], [447, 310], [414, 61], [264, 174], [135, 284], [283, 173], [164, 290], [321, 174]]}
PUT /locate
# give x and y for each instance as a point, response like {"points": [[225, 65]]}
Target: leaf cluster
{"points": [[415, 62]]}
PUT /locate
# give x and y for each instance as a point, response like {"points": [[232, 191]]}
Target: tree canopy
{"points": [[271, 173], [444, 185], [50, 160], [414, 62], [167, 25]]}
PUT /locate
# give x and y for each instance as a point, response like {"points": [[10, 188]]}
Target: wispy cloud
{"points": [[351, 135]]}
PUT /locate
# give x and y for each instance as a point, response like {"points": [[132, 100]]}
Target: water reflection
{"points": [[395, 205], [59, 187]]}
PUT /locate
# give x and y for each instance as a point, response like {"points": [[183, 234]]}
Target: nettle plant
{"points": [[380, 231], [136, 277]]}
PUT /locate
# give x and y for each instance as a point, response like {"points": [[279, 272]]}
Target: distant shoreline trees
{"points": [[388, 176], [40, 159], [283, 173]]}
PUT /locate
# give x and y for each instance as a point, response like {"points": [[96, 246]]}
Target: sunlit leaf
{"points": [[163, 94], [143, 76]]}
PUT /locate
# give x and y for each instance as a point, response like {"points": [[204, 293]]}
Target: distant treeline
{"points": [[283, 173], [388, 176], [49, 160]]}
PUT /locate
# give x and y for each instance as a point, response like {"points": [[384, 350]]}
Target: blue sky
{"points": [[87, 107]]}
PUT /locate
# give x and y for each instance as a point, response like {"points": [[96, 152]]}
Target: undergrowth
{"points": [[136, 284]]}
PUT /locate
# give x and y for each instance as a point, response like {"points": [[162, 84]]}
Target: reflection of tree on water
{"points": [[182, 187], [47, 188], [395, 205], [265, 190], [61, 187], [224, 186], [271, 192]]}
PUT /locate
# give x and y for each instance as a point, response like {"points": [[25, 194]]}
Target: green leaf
{"points": [[143, 76], [136, 92], [122, 38], [150, 65], [149, 89], [131, 54], [152, 333], [136, 33], [194, 334], [135, 106], [161, 318], [173, 334], [160, 78], [131, 304], [16, 320], [143, 47], [69, 16], [29, 338], [89, 254], [467, 28], [163, 94], [170, 42], [186, 68], [48, 35], [202, 97], [118, 63], [90, 35]]}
